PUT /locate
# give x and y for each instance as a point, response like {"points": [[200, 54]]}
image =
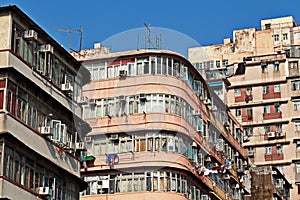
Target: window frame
{"points": [[276, 37], [268, 150]]}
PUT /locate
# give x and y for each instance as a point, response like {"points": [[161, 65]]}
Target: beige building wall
{"points": [[256, 48], [264, 42], [5, 23]]}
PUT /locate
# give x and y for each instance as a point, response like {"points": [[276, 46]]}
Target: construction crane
{"points": [[69, 31]]}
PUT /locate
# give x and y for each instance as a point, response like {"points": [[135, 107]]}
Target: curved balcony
{"points": [[145, 195], [151, 121], [156, 160], [144, 84]]}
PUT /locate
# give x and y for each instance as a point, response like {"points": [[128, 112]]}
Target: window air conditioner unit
{"points": [[207, 101], [103, 184], [114, 137], [80, 146], [122, 98], [30, 34], [271, 134], [67, 87], [46, 130], [276, 62], [45, 191], [250, 153], [88, 139], [142, 97], [92, 101], [122, 73], [82, 100], [46, 48], [196, 112]]}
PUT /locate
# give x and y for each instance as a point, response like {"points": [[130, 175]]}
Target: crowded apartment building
{"points": [[157, 130], [41, 132], [261, 64]]}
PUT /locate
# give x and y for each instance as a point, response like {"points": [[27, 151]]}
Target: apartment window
{"points": [[277, 107], [266, 109], [276, 66], [237, 92], [297, 126], [278, 128], [296, 105], [276, 37], [200, 66], [218, 63], [277, 88], [249, 111], [131, 69], [297, 168], [293, 65], [295, 85], [225, 63], [211, 64], [268, 150], [238, 112], [264, 68], [267, 129], [279, 149], [285, 36], [248, 131], [267, 26], [298, 145], [146, 65], [265, 89]]}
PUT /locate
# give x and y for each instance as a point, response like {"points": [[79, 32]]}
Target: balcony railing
{"points": [[272, 95], [274, 115], [276, 156], [247, 118], [214, 187]]}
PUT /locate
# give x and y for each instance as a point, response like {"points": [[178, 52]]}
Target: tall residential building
{"points": [[39, 121], [157, 131], [262, 67]]}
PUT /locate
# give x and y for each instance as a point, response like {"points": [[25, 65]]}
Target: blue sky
{"points": [[202, 22]]}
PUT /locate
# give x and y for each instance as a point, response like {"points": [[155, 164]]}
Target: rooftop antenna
{"points": [[69, 31], [148, 40]]}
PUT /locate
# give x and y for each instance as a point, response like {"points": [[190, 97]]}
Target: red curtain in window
{"points": [[1, 98]]}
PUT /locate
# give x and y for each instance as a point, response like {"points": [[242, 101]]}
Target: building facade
{"points": [[40, 124], [157, 132], [262, 67]]}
